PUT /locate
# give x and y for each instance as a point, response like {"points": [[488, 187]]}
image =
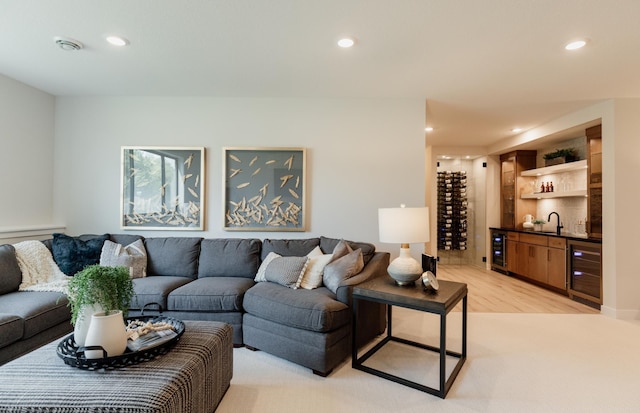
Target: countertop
{"points": [[566, 235]]}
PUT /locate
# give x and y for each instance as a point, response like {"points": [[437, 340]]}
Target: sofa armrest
{"points": [[377, 267]]}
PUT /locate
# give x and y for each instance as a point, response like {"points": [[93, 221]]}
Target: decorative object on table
{"points": [[429, 263], [75, 356], [560, 156], [452, 210], [106, 288], [538, 223], [264, 189], [429, 281], [528, 221], [107, 332], [404, 226], [162, 188]]}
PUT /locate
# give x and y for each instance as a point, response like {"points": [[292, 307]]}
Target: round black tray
{"points": [[74, 356]]}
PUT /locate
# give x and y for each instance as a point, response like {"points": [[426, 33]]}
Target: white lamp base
{"points": [[405, 270]]}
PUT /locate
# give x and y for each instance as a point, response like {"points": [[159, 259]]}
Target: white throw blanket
{"points": [[39, 271]]}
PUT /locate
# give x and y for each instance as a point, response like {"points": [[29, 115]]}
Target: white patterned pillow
{"points": [[260, 275], [287, 271], [133, 257], [312, 277]]}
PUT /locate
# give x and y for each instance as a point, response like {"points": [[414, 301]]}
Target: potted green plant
{"points": [[559, 156], [538, 223], [98, 288]]}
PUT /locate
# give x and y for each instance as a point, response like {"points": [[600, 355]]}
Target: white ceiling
{"points": [[483, 66]]}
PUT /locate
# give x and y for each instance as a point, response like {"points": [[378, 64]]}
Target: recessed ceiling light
{"points": [[578, 44], [346, 42], [117, 41], [428, 129], [516, 130]]}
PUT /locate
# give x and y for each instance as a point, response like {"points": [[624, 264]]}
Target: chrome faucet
{"points": [[559, 226]]}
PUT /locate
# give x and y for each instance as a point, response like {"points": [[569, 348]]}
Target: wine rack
{"points": [[452, 210]]}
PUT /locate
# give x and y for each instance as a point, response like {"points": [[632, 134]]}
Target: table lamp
{"points": [[404, 226]]}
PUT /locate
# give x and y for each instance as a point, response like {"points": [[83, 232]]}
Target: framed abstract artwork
{"points": [[264, 189], [162, 188]]}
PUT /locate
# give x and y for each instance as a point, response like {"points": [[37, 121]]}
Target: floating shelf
{"points": [[562, 194], [563, 167]]}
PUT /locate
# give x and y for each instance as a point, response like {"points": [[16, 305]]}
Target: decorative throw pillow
{"points": [[72, 254], [286, 271], [312, 277], [340, 270], [260, 275], [341, 249], [133, 256]]}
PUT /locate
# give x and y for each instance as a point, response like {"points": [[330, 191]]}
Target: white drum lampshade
{"points": [[404, 226]]}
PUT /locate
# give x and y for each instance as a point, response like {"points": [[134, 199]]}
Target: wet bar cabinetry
{"points": [[538, 258], [594, 187], [585, 272], [512, 185]]}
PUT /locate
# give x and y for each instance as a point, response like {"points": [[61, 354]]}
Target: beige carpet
{"points": [[516, 363]]}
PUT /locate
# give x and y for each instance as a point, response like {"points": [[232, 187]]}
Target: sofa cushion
{"points": [[10, 274], [173, 256], [289, 247], [340, 270], [233, 257], [72, 254], [11, 329], [287, 271], [328, 244], [314, 310], [132, 256], [39, 310], [219, 294], [155, 290]]}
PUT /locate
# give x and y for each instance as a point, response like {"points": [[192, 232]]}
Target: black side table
{"points": [[384, 290]]}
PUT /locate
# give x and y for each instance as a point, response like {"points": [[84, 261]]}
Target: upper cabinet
{"points": [[594, 187], [512, 185]]}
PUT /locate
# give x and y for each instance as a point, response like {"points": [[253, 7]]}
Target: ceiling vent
{"points": [[66, 43]]}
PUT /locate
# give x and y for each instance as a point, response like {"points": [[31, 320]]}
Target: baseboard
{"points": [[620, 314]]}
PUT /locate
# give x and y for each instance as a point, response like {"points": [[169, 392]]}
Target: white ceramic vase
{"points": [[83, 321], [107, 331]]}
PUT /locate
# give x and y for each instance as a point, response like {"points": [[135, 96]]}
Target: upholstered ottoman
{"points": [[192, 377]]}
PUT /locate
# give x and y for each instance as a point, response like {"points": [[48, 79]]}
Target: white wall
{"points": [[621, 160], [26, 156], [362, 154]]}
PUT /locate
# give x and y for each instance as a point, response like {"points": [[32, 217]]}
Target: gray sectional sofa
{"points": [[28, 319], [192, 278]]}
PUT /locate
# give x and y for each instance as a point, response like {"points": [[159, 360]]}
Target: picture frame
{"points": [[264, 189], [162, 188]]}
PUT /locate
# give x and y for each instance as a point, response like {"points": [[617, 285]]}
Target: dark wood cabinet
{"points": [[539, 258], [512, 207], [594, 181]]}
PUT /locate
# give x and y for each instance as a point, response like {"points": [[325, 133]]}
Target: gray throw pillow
{"points": [[340, 270], [341, 249], [133, 257], [287, 271], [262, 270]]}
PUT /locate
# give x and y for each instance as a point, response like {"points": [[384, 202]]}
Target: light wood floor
{"points": [[493, 292]]}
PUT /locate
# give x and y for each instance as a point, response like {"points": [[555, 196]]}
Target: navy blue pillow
{"points": [[72, 254]]}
